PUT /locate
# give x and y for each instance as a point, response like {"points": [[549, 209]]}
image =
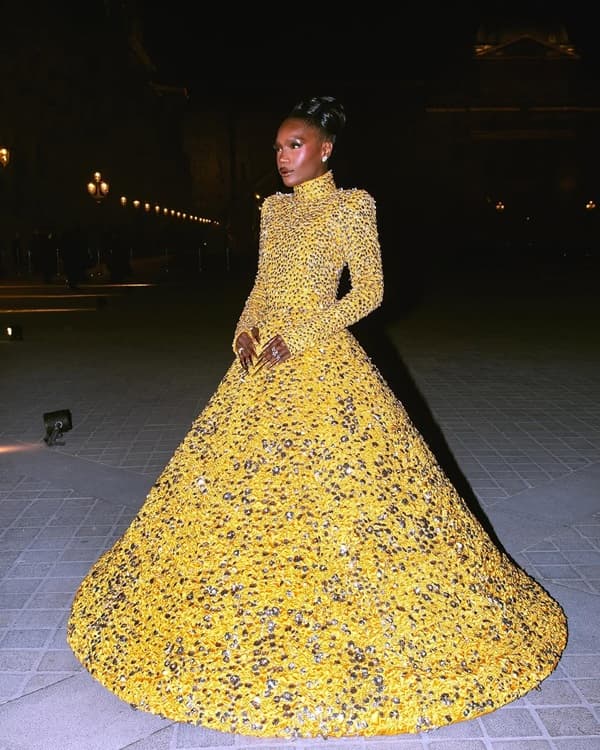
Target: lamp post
{"points": [[5, 198], [98, 188]]}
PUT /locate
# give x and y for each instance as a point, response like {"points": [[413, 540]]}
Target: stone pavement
{"points": [[500, 371]]}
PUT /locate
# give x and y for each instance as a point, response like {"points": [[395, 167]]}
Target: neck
{"points": [[316, 189]]}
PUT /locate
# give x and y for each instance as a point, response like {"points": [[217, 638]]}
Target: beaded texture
{"points": [[302, 566]]}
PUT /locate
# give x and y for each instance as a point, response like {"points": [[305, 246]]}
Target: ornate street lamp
{"points": [[98, 188], [4, 156]]}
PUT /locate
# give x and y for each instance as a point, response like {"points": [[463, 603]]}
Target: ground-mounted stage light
{"points": [[56, 423], [14, 333]]}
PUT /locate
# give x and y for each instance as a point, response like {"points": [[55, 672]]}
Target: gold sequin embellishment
{"points": [[302, 566]]}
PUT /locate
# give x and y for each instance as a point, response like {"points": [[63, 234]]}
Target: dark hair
{"points": [[324, 112]]}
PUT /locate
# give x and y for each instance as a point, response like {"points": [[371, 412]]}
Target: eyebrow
{"points": [[292, 139]]}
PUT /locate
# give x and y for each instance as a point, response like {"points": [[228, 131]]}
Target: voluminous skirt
{"points": [[303, 567]]}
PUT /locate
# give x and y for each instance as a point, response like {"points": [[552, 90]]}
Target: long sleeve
{"points": [[363, 258], [254, 309]]}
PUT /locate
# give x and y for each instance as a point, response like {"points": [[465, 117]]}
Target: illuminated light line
{"points": [[14, 310], [18, 448], [124, 286], [53, 296], [81, 286]]}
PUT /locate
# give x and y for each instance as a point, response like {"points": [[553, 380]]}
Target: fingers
{"points": [[243, 357], [274, 352], [246, 350], [246, 355]]}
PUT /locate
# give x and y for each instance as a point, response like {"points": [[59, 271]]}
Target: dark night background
{"points": [[290, 50], [186, 116], [378, 58]]}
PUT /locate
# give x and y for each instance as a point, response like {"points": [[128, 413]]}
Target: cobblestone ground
{"points": [[502, 377]]}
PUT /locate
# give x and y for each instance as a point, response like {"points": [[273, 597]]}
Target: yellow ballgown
{"points": [[302, 566]]}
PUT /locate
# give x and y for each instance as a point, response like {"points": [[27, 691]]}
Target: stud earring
{"points": [[324, 158]]}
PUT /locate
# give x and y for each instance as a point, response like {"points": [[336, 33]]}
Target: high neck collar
{"points": [[316, 189]]}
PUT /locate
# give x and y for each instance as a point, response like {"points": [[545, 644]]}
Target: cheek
{"points": [[307, 161]]}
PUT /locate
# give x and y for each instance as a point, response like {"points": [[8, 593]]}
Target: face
{"points": [[299, 151]]}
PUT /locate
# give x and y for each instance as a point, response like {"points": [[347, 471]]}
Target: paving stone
{"points": [[11, 685], [37, 618], [188, 736], [522, 423], [581, 665], [520, 744], [59, 660], [19, 660], [58, 585], [161, 740], [8, 616], [12, 601], [74, 714], [55, 600], [590, 689], [511, 723], [569, 721], [460, 730], [31, 556], [465, 745], [554, 693], [43, 680], [26, 638]]}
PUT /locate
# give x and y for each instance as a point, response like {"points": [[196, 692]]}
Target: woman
{"points": [[303, 566]]}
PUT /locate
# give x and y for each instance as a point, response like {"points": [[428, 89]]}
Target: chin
{"points": [[291, 179]]}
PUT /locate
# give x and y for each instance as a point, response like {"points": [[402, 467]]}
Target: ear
{"points": [[326, 149]]}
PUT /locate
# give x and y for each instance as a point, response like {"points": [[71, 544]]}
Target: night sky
{"points": [[296, 47], [373, 58]]}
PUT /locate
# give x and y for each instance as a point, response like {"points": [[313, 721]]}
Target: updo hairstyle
{"points": [[323, 112]]}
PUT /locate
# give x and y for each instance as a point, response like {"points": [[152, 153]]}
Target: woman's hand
{"points": [[273, 353], [245, 346]]}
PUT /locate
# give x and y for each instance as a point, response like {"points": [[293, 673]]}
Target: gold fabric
{"points": [[302, 566]]}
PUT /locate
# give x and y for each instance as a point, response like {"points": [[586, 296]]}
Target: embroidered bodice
{"points": [[306, 238]]}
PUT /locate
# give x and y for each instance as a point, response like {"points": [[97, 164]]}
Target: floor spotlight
{"points": [[56, 423], [14, 333]]}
